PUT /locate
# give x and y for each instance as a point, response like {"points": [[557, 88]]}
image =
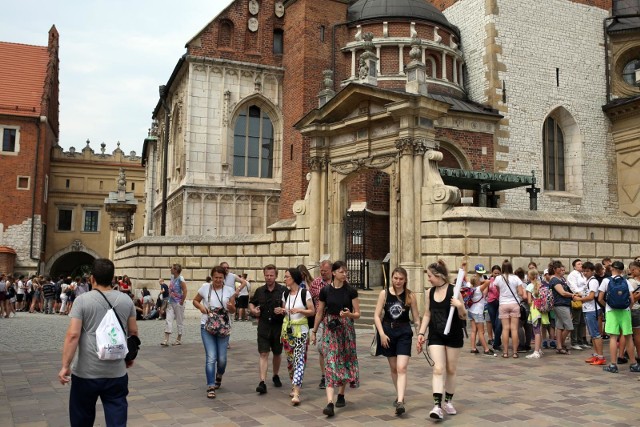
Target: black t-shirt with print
{"points": [[395, 309]]}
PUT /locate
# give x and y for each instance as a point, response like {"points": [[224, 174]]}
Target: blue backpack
{"points": [[618, 295]]}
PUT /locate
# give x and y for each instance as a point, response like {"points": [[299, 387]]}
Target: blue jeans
{"points": [[215, 348], [84, 395], [492, 307]]}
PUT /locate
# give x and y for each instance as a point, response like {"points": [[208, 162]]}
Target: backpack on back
{"points": [[467, 296], [110, 339], [618, 295], [544, 302]]}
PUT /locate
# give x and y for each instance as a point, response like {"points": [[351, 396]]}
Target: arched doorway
{"points": [[367, 226], [72, 264]]}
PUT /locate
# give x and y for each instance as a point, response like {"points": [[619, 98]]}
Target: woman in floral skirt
{"points": [[338, 307]]}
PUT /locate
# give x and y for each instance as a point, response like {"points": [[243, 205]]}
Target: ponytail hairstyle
{"points": [[534, 277], [507, 269], [439, 269], [408, 294]]}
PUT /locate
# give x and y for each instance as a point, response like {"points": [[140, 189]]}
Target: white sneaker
{"points": [[449, 409], [576, 347], [436, 413], [534, 355]]}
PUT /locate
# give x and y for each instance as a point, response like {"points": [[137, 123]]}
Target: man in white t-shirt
{"points": [[230, 279], [618, 319], [578, 284]]}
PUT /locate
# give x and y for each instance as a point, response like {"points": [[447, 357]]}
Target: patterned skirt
{"points": [[341, 357]]}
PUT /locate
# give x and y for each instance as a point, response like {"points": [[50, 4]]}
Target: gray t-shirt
{"points": [[90, 307]]}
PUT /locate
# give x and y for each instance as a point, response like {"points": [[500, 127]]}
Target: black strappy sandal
{"points": [[218, 382]]}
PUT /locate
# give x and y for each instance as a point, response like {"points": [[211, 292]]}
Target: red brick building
{"points": [[29, 128]]}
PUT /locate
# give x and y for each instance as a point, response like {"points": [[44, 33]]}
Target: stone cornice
{"points": [[538, 217]]}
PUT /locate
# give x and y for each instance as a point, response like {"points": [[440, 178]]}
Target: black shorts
{"points": [[19, 297], [269, 340], [243, 301], [453, 341], [399, 340]]}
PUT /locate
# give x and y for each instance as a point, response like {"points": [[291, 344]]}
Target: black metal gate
{"points": [[355, 238]]}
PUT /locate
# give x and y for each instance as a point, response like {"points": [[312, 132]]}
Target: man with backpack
{"points": [[94, 376], [616, 292]]}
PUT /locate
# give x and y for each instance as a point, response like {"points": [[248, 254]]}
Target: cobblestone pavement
{"points": [[167, 386]]}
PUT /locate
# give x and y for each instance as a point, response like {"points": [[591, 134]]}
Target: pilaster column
{"points": [[315, 205], [407, 205], [353, 64], [419, 147], [400, 59], [455, 69], [444, 65], [379, 59]]}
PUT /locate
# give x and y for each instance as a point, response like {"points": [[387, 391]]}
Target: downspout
{"points": [[165, 160], [39, 121]]}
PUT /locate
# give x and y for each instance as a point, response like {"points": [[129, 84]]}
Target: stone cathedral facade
{"points": [[294, 129]]}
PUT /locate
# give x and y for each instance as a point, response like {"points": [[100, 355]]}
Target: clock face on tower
{"points": [[254, 7], [279, 9]]}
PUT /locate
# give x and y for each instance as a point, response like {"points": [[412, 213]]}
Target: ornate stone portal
{"points": [[405, 152], [120, 205]]}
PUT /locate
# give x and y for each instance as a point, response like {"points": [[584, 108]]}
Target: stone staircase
{"points": [[368, 300]]}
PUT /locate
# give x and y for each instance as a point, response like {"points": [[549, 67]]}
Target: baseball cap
{"points": [[480, 269], [546, 271], [618, 265]]}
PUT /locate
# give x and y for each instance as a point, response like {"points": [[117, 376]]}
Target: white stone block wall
{"points": [[18, 238], [536, 38], [493, 235]]}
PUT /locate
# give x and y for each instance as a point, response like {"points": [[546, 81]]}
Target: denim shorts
{"points": [[478, 318], [592, 324]]}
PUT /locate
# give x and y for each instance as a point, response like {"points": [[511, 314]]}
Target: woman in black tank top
{"points": [[444, 349], [394, 330]]}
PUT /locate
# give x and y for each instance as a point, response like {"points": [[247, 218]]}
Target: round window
{"points": [[629, 72]]}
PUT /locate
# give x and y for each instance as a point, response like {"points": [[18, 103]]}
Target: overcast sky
{"points": [[113, 56]]}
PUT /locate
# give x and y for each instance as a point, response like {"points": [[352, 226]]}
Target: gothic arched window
{"points": [[553, 149], [253, 144]]}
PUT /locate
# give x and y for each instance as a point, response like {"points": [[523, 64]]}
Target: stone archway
{"points": [[77, 248], [72, 264]]}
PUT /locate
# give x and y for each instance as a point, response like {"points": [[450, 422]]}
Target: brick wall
{"points": [[471, 144], [306, 56], [228, 37]]}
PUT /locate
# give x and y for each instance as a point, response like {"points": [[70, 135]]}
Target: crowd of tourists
{"points": [[510, 311], [558, 312]]}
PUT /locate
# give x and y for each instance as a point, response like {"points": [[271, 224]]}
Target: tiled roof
{"points": [[22, 77]]}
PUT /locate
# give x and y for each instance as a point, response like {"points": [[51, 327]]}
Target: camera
{"points": [[289, 330], [333, 325]]}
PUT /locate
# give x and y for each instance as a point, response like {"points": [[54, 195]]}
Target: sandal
{"points": [[295, 400], [474, 351], [505, 355], [164, 343], [177, 342], [562, 351], [515, 355], [218, 382], [211, 393]]}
